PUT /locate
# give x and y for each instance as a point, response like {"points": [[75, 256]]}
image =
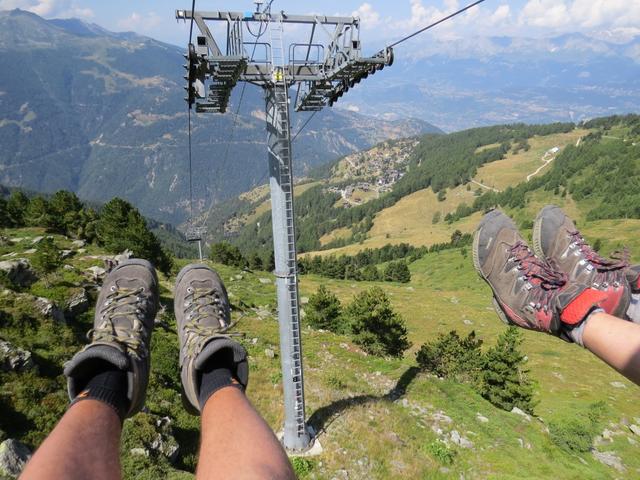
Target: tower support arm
{"points": [[258, 17]]}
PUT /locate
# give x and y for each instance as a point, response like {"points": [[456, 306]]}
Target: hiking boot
{"points": [[203, 316], [556, 238], [121, 333], [527, 291], [633, 277]]}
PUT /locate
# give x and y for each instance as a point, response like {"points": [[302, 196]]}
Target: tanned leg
{"points": [[84, 444], [237, 443], [616, 342]]}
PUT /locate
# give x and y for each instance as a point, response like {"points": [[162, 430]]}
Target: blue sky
{"points": [[383, 21]]}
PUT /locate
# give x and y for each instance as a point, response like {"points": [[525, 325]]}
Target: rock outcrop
{"points": [[13, 457], [14, 359]]}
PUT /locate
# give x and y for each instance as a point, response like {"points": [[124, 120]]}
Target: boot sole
{"points": [[476, 265], [140, 262], [537, 239], [188, 268]]}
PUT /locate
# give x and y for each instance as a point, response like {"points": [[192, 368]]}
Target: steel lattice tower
{"points": [[323, 72]]}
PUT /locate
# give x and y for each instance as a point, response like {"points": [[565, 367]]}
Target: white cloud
{"points": [[137, 22], [545, 13], [370, 18], [49, 8], [580, 15], [502, 13]]}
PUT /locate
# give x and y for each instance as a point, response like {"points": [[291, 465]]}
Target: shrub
{"points": [[397, 272], [450, 356], [441, 452], [324, 310], [505, 382], [375, 326], [302, 466], [576, 434], [227, 254]]}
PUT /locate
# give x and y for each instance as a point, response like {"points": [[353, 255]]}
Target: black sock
{"points": [[109, 387], [216, 374]]}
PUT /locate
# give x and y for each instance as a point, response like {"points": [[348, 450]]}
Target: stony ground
{"points": [[376, 418]]}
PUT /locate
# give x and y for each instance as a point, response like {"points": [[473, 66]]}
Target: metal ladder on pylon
{"points": [[286, 182]]}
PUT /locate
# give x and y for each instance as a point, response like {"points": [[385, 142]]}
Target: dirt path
{"points": [[485, 186], [547, 160]]}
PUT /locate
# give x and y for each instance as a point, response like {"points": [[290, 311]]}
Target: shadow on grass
{"points": [[324, 416]]}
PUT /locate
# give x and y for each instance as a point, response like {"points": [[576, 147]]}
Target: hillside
{"points": [[378, 417], [85, 98], [421, 191]]}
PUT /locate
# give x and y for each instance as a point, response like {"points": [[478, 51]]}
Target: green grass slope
{"points": [[378, 418]]}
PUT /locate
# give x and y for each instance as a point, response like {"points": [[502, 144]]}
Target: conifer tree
{"points": [[375, 325], [5, 220], [324, 310], [17, 208], [38, 213], [65, 208], [121, 227], [505, 381], [47, 258]]}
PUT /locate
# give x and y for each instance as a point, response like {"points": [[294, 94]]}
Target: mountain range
{"points": [[102, 114], [470, 82]]}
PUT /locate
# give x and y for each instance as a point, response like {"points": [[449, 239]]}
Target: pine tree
{"points": [[375, 325], [451, 356], [17, 208], [121, 227], [504, 381], [65, 208], [271, 262], [324, 310], [370, 273], [47, 258], [255, 262], [38, 213], [5, 220]]}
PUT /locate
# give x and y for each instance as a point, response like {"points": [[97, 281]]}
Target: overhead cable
{"points": [[304, 125], [257, 36], [436, 23], [193, 8]]}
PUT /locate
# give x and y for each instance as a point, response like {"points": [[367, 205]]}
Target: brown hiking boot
{"points": [[121, 333], [527, 291], [556, 239], [633, 277], [203, 316]]}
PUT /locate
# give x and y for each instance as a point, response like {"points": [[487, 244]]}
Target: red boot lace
{"points": [[606, 268], [539, 274]]}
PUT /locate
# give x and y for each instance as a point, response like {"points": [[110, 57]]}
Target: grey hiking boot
{"points": [[527, 291], [556, 238], [203, 316], [121, 332]]}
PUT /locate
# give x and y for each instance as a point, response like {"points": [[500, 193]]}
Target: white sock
{"points": [[633, 312], [575, 334]]}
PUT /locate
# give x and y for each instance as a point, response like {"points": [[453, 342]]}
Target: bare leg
{"points": [[237, 442], [84, 444], [616, 342]]}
